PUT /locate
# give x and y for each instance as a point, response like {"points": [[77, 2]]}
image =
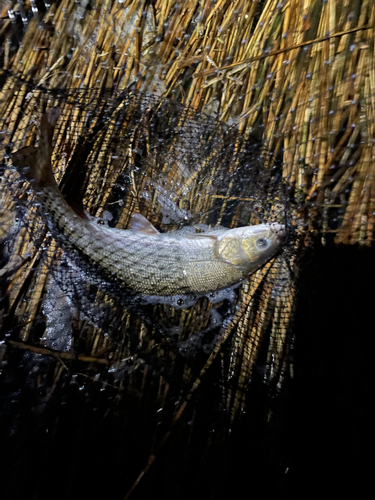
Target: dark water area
{"points": [[311, 438], [332, 388]]}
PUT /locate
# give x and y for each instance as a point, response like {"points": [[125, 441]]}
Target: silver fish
{"points": [[141, 258]]}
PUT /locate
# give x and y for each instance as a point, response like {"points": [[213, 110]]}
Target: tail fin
{"points": [[36, 162]]}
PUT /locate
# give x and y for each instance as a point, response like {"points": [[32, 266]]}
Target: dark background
{"points": [[311, 438]]}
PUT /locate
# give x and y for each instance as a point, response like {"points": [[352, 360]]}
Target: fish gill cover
{"points": [[187, 174], [197, 121]]}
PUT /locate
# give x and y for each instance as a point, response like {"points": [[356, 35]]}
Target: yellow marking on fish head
{"points": [[249, 247]]}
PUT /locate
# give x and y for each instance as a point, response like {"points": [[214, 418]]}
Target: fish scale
{"points": [[141, 258]]}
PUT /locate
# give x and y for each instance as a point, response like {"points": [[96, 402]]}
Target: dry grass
{"points": [[302, 73], [304, 70]]}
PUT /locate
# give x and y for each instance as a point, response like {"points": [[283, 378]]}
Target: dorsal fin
{"points": [[142, 225], [77, 208]]}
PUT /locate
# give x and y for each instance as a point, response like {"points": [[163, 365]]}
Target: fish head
{"points": [[261, 242], [249, 247]]}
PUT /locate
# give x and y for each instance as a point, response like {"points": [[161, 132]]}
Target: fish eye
{"points": [[262, 243]]}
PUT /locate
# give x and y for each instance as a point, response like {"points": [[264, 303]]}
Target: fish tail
{"points": [[36, 162]]}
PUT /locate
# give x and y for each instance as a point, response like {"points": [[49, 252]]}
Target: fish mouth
{"points": [[278, 230]]}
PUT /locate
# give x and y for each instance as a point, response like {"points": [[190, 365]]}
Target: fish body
{"points": [[141, 258]]}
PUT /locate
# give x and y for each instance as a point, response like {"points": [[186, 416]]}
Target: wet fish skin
{"points": [[141, 258]]}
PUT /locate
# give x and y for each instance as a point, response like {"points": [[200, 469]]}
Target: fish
{"points": [[141, 258]]}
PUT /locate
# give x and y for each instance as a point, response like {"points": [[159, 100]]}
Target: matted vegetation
{"points": [[293, 79]]}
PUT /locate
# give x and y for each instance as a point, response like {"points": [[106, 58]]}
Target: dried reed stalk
{"points": [[302, 70]]}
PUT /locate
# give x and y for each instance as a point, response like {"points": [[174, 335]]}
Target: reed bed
{"points": [[299, 76]]}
